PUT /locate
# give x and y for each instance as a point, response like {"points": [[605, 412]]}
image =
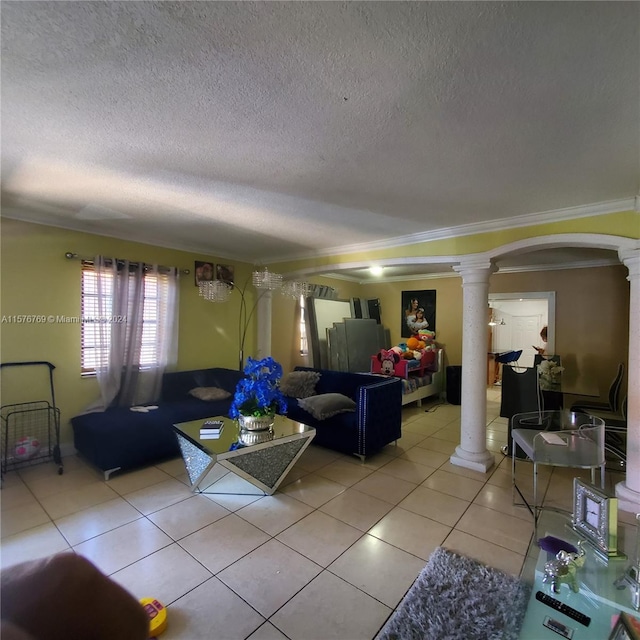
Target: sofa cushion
{"points": [[209, 394], [300, 384], [327, 405]]}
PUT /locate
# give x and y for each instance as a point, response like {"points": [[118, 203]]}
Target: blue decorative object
{"points": [[259, 393]]}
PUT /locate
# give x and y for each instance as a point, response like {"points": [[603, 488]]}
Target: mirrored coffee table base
{"points": [[264, 465]]}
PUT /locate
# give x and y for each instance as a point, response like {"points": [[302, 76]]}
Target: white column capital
{"points": [[631, 259], [475, 270]]}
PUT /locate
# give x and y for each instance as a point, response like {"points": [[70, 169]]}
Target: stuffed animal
{"points": [[388, 360]]}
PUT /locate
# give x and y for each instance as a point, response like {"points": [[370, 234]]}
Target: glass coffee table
{"points": [[599, 597], [262, 458]]}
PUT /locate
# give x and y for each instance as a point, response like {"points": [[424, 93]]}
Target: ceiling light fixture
{"points": [[376, 270]]}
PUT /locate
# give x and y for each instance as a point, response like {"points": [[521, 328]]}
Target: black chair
{"points": [[613, 404], [520, 393]]}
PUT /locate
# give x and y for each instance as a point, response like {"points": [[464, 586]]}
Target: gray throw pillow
{"points": [[327, 405], [210, 394], [300, 384]]}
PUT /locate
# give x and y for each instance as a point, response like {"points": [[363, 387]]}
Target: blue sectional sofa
{"points": [[375, 422], [120, 439]]}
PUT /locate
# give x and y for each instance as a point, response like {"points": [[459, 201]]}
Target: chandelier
{"points": [[265, 280]]}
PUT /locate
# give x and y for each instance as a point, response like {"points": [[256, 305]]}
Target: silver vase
{"points": [[253, 423]]}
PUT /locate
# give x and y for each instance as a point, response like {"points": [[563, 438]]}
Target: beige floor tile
{"points": [[211, 610], [451, 434], [373, 462], [320, 537], [357, 509], [422, 428], [467, 473], [436, 444], [453, 485], [230, 502], [267, 632], [294, 474], [22, 518], [425, 457], [314, 457], [501, 499], [12, 479], [158, 496], [131, 481], [183, 518], [269, 576], [385, 487], [407, 470], [94, 521], [313, 490], [52, 483], [123, 546], [63, 504], [485, 552], [223, 542], [167, 575], [379, 569], [32, 544], [411, 532], [15, 494], [435, 505], [330, 608], [173, 467], [344, 473], [275, 513], [498, 528]]}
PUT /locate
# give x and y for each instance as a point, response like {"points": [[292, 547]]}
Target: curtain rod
{"points": [[74, 256]]}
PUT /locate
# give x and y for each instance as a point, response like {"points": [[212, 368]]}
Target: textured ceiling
{"points": [[261, 131]]}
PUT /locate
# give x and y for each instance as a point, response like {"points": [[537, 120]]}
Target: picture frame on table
{"points": [[625, 628], [412, 302], [595, 517]]}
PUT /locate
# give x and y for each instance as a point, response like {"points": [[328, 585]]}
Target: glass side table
{"points": [[598, 596]]}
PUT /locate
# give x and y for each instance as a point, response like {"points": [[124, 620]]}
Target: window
{"points": [[304, 347], [96, 341]]}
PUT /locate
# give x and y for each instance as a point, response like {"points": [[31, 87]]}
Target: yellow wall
{"points": [[37, 279]]}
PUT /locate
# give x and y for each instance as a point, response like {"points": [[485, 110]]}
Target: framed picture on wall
{"points": [[418, 312], [203, 272], [225, 273]]}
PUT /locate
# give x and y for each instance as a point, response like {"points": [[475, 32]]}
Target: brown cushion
{"points": [[210, 394], [300, 384], [326, 405], [64, 597]]}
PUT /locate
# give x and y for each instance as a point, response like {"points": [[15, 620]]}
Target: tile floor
{"points": [[330, 555]]}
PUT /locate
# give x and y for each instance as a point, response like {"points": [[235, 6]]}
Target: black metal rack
{"points": [[30, 431]]}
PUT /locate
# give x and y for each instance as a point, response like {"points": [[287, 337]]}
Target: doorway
{"points": [[519, 318]]}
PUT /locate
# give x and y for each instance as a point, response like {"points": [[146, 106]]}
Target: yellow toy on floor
{"points": [[157, 613]]}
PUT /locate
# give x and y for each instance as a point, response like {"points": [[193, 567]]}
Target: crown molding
{"points": [[502, 224], [525, 268]]}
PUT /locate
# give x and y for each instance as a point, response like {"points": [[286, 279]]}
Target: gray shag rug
{"points": [[457, 598]]}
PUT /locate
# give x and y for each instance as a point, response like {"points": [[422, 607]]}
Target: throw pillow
{"points": [[327, 405], [300, 384], [210, 394]]}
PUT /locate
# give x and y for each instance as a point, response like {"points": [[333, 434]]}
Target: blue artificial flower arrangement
{"points": [[259, 393]]}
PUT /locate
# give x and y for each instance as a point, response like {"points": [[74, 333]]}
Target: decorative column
{"points": [[472, 451], [628, 492], [263, 319]]}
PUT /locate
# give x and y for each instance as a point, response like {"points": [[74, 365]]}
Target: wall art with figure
{"points": [[418, 312]]}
